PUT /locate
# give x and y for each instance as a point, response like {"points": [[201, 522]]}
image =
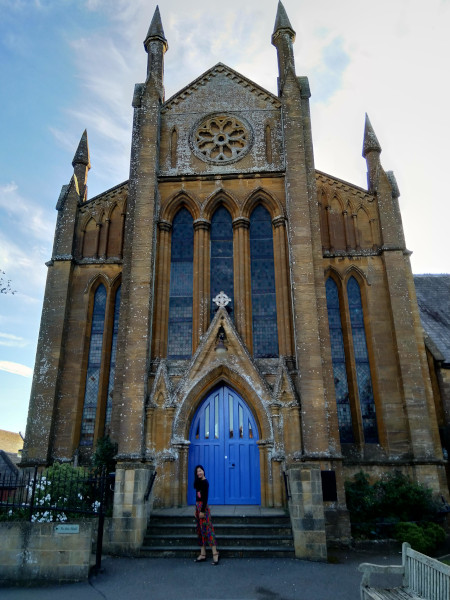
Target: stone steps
{"points": [[266, 535]]}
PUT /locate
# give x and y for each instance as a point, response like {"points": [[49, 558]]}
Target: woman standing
{"points": [[205, 530]]}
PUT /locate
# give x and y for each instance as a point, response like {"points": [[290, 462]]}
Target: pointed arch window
{"points": [[339, 363], [112, 364], [351, 368], [221, 268], [179, 343], [363, 375], [264, 310], [93, 368]]}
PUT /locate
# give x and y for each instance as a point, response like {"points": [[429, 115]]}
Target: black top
{"points": [[202, 487]]}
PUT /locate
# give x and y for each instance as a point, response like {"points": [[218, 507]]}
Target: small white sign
{"points": [[67, 529]]}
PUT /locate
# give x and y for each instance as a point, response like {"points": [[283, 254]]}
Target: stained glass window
{"points": [[264, 309], [112, 364], [221, 256], [363, 376], [93, 369], [179, 343], [338, 359]]}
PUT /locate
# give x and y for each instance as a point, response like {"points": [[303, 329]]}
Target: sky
{"points": [[70, 65]]}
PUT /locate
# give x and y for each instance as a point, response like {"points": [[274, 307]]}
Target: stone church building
{"points": [[233, 306]]}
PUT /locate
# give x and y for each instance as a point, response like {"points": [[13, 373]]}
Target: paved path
{"points": [[233, 579]]}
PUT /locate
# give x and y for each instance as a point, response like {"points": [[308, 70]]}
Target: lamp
{"points": [[220, 347]]}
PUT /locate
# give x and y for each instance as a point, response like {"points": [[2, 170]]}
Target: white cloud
{"points": [[27, 215], [15, 368], [10, 340]]}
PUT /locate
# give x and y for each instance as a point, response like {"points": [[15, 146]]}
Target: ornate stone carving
{"points": [[221, 299], [221, 139]]}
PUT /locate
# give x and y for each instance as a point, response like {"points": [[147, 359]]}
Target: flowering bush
{"points": [[61, 493]]}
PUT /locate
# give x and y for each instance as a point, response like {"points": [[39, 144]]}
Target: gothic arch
{"points": [[349, 206], [357, 273], [335, 274], [110, 207], [261, 196], [115, 282], [179, 200], [88, 216], [336, 196], [336, 223], [191, 400], [95, 281], [215, 200], [364, 229], [322, 196]]}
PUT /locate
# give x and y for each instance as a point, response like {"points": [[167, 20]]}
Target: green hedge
{"points": [[376, 508], [423, 537]]}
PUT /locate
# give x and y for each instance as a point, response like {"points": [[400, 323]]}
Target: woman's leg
{"points": [[200, 536], [202, 556], [210, 536]]}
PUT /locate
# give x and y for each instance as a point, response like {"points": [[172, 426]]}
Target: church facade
{"points": [[233, 306]]}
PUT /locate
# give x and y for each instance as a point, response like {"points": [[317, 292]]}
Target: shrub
{"points": [[376, 508], [424, 538], [105, 451], [61, 486]]}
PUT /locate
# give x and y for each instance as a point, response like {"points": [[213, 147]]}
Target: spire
{"points": [[155, 31], [82, 154], [156, 46], [283, 39], [81, 165], [371, 152], [282, 22], [371, 143]]}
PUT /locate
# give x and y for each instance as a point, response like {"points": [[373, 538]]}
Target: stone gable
{"points": [[221, 92]]}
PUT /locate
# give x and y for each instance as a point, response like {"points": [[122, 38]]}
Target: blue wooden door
{"points": [[223, 439]]}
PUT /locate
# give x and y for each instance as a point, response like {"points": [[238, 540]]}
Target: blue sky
{"points": [[67, 65]]}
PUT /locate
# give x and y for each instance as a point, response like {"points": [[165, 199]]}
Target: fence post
{"points": [[33, 492], [101, 522]]}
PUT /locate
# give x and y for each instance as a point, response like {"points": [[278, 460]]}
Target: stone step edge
{"points": [[224, 549], [222, 537]]}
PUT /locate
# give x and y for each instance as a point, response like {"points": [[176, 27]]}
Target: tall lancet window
{"points": [[221, 256], [339, 363], [93, 368], [112, 364], [363, 376], [179, 343], [264, 307]]}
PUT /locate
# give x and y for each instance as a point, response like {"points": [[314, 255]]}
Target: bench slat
{"points": [[398, 593], [424, 578]]}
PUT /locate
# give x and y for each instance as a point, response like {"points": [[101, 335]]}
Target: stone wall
{"points": [[307, 512], [37, 552]]}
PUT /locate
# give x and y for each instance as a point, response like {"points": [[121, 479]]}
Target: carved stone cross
{"points": [[221, 299]]}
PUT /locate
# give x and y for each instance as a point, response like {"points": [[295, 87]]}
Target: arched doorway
{"points": [[223, 438]]}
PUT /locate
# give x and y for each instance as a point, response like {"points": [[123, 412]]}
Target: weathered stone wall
{"points": [[124, 533], [67, 418], [36, 553], [211, 94], [307, 512]]}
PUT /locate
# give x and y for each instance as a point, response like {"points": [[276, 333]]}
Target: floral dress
{"points": [[205, 529]]}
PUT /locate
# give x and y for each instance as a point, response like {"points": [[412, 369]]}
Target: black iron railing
{"points": [[57, 494]]}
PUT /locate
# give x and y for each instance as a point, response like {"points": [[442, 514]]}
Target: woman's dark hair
{"points": [[196, 479]]}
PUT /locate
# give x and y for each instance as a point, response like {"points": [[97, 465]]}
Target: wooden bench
{"points": [[423, 578]]}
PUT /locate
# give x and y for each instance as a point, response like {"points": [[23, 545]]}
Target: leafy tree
{"points": [[105, 451]]}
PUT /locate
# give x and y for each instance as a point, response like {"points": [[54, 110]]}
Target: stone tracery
{"points": [[221, 139]]}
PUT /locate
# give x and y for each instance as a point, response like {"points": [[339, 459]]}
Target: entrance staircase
{"points": [[241, 531]]}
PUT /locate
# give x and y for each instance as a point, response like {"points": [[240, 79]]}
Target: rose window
{"points": [[221, 139]]}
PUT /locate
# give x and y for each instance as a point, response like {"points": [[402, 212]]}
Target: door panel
{"points": [[223, 439]]}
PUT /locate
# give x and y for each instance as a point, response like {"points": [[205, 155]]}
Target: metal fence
{"points": [[57, 494]]}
